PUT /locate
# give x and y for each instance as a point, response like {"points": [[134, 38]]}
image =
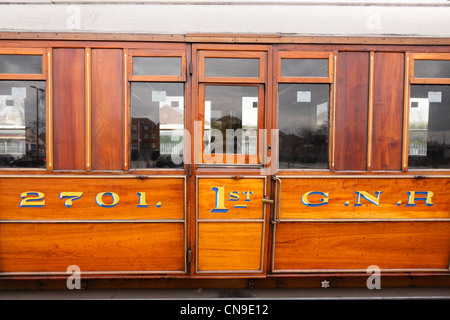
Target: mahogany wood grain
{"points": [[388, 111], [92, 247], [250, 193], [168, 192], [231, 246], [68, 109], [392, 200], [351, 110], [107, 109], [388, 245]]}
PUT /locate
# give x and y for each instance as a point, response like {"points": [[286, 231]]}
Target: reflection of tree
{"points": [[308, 145]]}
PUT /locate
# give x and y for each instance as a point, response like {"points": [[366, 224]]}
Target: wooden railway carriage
{"points": [[224, 157]]}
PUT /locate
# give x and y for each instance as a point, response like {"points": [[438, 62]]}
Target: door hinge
{"points": [[190, 68]]}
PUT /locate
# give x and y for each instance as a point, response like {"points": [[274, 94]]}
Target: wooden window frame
{"points": [[237, 54], [223, 157], [46, 54], [25, 76], [411, 80], [168, 53], [427, 56], [331, 80], [129, 78], [305, 55]]}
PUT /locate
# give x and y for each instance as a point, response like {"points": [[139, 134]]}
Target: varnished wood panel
{"points": [[164, 198], [388, 111], [328, 246], [352, 93], [249, 205], [342, 197], [231, 246], [68, 109], [107, 109], [148, 247]]}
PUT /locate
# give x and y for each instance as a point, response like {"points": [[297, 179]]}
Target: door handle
{"points": [[267, 200], [276, 214]]}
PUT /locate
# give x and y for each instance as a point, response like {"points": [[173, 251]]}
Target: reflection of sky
{"points": [[419, 111], [432, 69], [21, 64], [231, 67], [26, 108], [142, 105]]}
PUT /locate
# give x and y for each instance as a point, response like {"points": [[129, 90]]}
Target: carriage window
{"points": [[432, 69], [23, 124], [20, 64], [157, 112], [304, 85], [429, 127], [157, 66], [231, 120], [304, 68], [303, 125]]}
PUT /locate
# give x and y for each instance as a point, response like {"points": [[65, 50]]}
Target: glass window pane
{"points": [[429, 127], [231, 120], [22, 124], [304, 68], [231, 67], [157, 116], [303, 125], [157, 66], [23, 64], [432, 69]]}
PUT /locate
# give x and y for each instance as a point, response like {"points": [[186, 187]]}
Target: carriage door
{"points": [[304, 92], [230, 151]]}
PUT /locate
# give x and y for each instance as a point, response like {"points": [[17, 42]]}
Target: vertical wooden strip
{"points": [[68, 81], [125, 112], [107, 109], [388, 111], [406, 113], [88, 107], [49, 111], [370, 115], [352, 94], [333, 115]]}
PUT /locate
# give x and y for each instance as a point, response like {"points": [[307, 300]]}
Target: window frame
{"points": [[427, 56], [235, 54], [157, 53], [248, 159], [297, 54], [182, 78], [46, 54], [238, 52], [410, 79]]}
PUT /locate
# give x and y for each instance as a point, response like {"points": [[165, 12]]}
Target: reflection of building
{"points": [[12, 127], [144, 134]]}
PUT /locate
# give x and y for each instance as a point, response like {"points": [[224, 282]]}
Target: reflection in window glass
{"points": [[304, 68], [432, 69], [22, 124], [429, 127], [22, 64], [157, 112], [303, 125], [157, 66], [231, 120], [231, 67]]}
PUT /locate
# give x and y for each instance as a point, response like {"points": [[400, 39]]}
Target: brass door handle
{"points": [[267, 200]]}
